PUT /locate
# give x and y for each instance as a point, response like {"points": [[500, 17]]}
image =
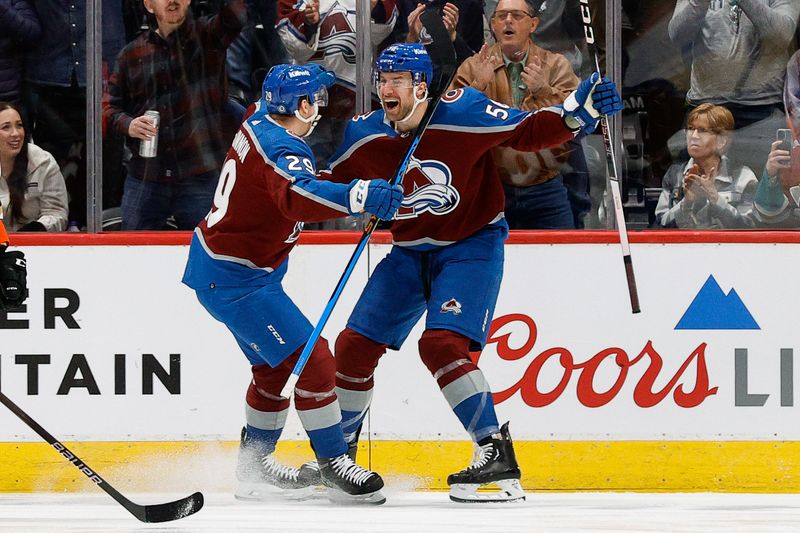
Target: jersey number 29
{"points": [[227, 179]]}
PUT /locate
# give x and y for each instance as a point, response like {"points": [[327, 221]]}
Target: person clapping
{"points": [[707, 191]]}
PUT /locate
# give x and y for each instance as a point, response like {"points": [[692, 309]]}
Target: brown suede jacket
{"points": [[523, 169]]}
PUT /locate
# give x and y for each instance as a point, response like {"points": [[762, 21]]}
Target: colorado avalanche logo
{"points": [[298, 228], [337, 36], [452, 306], [431, 189]]}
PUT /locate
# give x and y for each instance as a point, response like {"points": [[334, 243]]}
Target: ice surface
{"points": [[417, 511]]}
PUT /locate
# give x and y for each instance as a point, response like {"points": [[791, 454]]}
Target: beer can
{"points": [[149, 147]]}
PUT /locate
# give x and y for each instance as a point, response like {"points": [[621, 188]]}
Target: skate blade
{"points": [[260, 492], [342, 498], [509, 491]]}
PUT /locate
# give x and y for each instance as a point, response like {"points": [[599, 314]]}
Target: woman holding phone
{"points": [[777, 200]]}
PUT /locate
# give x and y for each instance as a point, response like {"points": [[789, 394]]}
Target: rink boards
{"points": [[697, 392]]}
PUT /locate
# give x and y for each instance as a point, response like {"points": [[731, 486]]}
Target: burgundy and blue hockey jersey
{"points": [[452, 188], [267, 188]]}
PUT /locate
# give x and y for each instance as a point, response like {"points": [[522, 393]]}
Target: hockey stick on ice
{"points": [[443, 56], [611, 166], [163, 512]]}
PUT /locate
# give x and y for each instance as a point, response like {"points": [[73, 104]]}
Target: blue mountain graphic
{"points": [[713, 309]]}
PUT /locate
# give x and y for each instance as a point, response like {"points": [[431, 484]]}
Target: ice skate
{"points": [[261, 477], [348, 482], [493, 463]]}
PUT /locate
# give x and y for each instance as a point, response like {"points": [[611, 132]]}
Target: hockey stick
{"points": [[163, 512], [611, 166], [443, 56]]}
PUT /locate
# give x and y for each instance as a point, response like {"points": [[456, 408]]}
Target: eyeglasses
{"points": [[396, 83], [516, 15], [701, 131]]}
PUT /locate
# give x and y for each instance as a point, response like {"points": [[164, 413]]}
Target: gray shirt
{"points": [[744, 62]]}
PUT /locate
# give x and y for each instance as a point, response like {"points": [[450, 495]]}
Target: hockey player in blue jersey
{"points": [[237, 260], [447, 258]]}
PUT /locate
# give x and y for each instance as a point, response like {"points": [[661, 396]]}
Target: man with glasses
{"points": [[516, 72]]}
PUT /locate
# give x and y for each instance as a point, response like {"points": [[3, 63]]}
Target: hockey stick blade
{"points": [[162, 512], [443, 57], [611, 167]]}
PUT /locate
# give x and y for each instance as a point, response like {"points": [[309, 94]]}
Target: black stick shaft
{"points": [[611, 167], [145, 513]]}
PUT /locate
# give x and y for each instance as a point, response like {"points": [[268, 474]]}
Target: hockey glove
{"points": [[13, 280], [376, 197], [593, 98]]}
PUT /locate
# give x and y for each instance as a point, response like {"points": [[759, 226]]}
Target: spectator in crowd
{"points": [[19, 30], [464, 22], [55, 75], [518, 73], [777, 200], [324, 32], [257, 49], [177, 69], [560, 30], [251, 54], [738, 51], [32, 189], [707, 192]]}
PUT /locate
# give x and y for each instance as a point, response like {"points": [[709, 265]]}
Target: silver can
{"points": [[149, 147]]}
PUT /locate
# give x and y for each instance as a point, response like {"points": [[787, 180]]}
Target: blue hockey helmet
{"points": [[286, 84], [405, 57]]}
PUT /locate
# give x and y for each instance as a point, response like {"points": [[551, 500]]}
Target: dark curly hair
{"points": [[17, 180]]}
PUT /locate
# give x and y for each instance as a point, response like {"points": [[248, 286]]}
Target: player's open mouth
{"points": [[391, 104], [509, 32]]}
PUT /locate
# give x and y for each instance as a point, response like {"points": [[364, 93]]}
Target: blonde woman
{"points": [[706, 192]]}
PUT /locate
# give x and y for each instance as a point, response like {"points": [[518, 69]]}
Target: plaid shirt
{"points": [[183, 78]]}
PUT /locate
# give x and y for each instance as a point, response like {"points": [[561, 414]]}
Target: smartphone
{"points": [[785, 137]]}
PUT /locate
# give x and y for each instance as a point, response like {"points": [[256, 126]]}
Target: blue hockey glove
{"points": [[376, 197], [593, 98]]}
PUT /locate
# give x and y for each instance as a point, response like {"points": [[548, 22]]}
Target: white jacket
{"points": [[333, 43], [736, 188], [45, 194]]}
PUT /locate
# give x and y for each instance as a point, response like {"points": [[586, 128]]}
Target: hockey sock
{"points": [[261, 440], [477, 415], [265, 410], [315, 400], [356, 359], [354, 406], [446, 354]]}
